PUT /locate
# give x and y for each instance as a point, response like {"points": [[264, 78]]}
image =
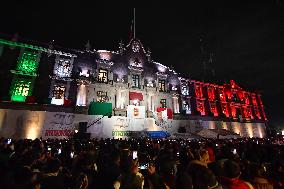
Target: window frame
{"points": [[184, 89], [135, 81], [162, 85], [65, 67], [163, 102], [102, 96], [56, 93], [105, 73]]}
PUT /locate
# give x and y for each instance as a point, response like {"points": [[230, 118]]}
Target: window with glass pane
{"points": [[186, 106], [162, 85], [63, 68], [28, 63], [101, 96], [102, 77], [58, 92], [135, 81], [163, 103], [21, 88], [184, 89]]}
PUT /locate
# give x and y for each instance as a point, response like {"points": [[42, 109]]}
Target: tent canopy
{"points": [[214, 133]]}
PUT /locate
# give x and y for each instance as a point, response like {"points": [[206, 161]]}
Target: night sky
{"points": [[247, 40]]}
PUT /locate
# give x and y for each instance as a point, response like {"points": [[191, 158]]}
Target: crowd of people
{"points": [[142, 163]]}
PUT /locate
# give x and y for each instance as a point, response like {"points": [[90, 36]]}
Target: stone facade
{"points": [[127, 76]]}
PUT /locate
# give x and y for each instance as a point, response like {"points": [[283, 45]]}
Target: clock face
{"points": [[135, 46]]}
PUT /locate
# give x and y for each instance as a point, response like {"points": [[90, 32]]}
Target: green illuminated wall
{"points": [[20, 89], [25, 73], [28, 63]]}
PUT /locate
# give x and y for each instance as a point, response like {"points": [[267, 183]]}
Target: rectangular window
{"points": [[58, 92], [163, 103], [28, 63], [63, 68], [184, 90], [102, 96], [84, 72], [135, 81], [20, 89], [149, 83], [186, 107], [102, 77], [162, 85]]}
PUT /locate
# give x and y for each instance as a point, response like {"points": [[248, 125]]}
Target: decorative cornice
{"points": [[34, 47], [104, 61], [134, 68], [23, 73], [162, 75], [83, 81], [60, 78]]}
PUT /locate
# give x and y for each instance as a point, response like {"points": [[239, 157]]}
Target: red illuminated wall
{"points": [[229, 100], [211, 98]]}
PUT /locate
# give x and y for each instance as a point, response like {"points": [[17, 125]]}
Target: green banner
{"points": [[100, 108]]}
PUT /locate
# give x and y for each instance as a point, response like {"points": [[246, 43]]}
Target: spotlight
{"points": [[76, 130]]}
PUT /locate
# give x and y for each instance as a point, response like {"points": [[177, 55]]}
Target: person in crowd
{"points": [[161, 163], [53, 178], [260, 179], [204, 178], [131, 179], [277, 175], [230, 179], [109, 170]]}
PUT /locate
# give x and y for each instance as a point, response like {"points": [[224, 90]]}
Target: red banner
{"points": [[135, 96]]}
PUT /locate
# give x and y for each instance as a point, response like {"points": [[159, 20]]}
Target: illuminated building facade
{"points": [[125, 78]]}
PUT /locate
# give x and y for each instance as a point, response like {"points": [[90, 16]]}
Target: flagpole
{"points": [[134, 24]]}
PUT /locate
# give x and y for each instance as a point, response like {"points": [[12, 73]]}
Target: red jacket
{"points": [[234, 183], [211, 154]]}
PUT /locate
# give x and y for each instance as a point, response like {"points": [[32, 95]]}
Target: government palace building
{"points": [[120, 91]]}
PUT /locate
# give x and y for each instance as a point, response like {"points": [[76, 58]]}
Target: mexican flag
{"points": [[166, 112]]}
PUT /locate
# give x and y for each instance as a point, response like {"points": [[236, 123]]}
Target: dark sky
{"points": [[247, 39]]}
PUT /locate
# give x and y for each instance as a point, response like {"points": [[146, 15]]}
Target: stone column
{"points": [[81, 95], [118, 97], [175, 104], [149, 102]]}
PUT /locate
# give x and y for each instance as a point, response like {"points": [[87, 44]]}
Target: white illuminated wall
{"points": [[21, 123], [34, 124]]}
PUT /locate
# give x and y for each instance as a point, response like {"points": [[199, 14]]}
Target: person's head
{"points": [[25, 178], [115, 156], [81, 181], [20, 146], [231, 169], [134, 166], [53, 165], [204, 156], [257, 170], [204, 178]]}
